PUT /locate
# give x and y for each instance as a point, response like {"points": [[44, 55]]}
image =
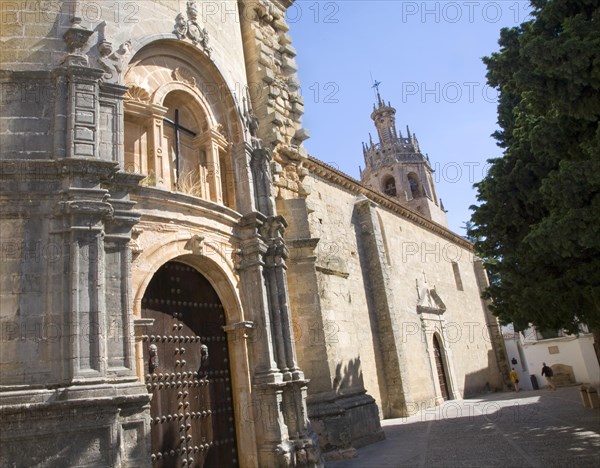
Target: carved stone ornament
{"points": [[273, 227], [112, 62], [184, 75], [134, 244], [187, 27], [251, 122], [76, 38], [221, 130], [429, 301], [195, 244], [137, 93]]}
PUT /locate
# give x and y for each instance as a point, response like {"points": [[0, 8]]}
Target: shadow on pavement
{"points": [[540, 428]]}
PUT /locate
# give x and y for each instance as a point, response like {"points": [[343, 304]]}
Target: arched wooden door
{"points": [[187, 371], [441, 370]]}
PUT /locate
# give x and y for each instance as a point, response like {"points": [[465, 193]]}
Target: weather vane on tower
{"points": [[375, 87]]}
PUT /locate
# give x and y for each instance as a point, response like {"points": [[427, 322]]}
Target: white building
{"points": [[571, 357]]}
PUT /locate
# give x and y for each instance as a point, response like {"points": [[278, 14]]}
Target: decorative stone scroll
{"points": [[112, 61]]}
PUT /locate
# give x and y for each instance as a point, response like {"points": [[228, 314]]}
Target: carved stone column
{"points": [[241, 155], [251, 269], [262, 178], [279, 385], [158, 157], [272, 232], [120, 332], [155, 164], [84, 212], [214, 171]]}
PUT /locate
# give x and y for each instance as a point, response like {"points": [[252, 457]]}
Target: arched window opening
{"points": [[174, 146], [185, 154], [413, 183], [389, 186]]}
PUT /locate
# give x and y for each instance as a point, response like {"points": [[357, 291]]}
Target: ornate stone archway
{"points": [[183, 127], [219, 273]]}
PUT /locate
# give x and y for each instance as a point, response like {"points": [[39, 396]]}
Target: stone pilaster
{"points": [[494, 330], [250, 267], [83, 213], [83, 111], [120, 333], [393, 394], [283, 434], [345, 421], [110, 123]]}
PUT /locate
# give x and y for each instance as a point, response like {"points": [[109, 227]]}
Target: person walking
{"points": [[514, 378], [547, 372]]}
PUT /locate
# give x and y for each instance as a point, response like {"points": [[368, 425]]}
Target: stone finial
{"points": [[76, 38]]}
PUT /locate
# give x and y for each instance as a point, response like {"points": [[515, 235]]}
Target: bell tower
{"points": [[396, 167]]}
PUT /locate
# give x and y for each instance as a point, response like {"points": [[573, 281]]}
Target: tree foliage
{"points": [[537, 223]]}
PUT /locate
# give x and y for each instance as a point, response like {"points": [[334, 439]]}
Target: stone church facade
{"points": [[182, 284]]}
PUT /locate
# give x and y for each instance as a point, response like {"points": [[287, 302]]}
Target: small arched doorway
{"points": [[441, 369], [187, 371]]}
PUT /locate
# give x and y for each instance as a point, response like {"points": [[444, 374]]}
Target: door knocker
{"points": [[153, 363], [203, 360]]}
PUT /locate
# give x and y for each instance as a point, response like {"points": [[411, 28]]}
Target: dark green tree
{"points": [[537, 223]]}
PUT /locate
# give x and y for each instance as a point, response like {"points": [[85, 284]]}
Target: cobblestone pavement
{"points": [[540, 428]]}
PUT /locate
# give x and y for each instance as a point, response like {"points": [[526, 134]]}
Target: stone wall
{"points": [[70, 393], [371, 282], [76, 257]]}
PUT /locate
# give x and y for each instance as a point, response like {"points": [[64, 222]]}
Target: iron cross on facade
{"points": [[178, 128]]}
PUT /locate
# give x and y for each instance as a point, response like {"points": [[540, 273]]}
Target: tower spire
{"points": [[395, 165]]}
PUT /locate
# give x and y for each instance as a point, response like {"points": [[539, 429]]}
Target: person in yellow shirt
{"points": [[514, 378]]}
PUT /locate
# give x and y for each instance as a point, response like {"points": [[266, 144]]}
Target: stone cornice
{"points": [[338, 177], [149, 199]]}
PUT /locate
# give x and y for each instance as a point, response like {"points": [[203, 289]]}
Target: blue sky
{"points": [[427, 56]]}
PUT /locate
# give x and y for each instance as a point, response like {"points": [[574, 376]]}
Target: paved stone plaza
{"points": [[538, 428]]}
